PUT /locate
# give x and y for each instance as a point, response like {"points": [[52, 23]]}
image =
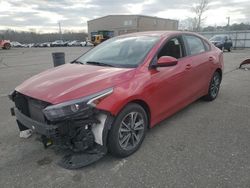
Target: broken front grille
{"points": [[30, 107]]}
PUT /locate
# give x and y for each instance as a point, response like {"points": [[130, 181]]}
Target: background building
{"points": [[121, 24]]}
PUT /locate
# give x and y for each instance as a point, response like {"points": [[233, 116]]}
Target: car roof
{"points": [[158, 33]]}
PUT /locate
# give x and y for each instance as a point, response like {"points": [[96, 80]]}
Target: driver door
{"points": [[171, 84]]}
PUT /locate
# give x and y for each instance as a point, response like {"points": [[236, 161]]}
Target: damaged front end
{"points": [[76, 125]]}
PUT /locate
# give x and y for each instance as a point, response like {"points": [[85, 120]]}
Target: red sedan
{"points": [[107, 99]]}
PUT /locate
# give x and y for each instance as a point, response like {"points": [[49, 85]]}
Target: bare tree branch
{"points": [[199, 9]]}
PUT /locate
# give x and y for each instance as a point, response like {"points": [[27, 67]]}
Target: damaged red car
{"points": [[106, 99]]}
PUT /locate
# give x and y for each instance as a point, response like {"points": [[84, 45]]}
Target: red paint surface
{"points": [[165, 90]]}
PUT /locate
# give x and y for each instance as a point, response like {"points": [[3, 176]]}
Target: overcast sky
{"points": [[44, 15]]}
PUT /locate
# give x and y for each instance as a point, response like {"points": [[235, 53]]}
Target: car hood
{"points": [[73, 81]]}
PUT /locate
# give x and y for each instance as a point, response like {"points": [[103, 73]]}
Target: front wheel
{"points": [[6, 46], [128, 131], [214, 87]]}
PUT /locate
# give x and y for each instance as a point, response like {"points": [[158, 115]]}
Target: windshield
{"points": [[217, 38], [120, 52]]}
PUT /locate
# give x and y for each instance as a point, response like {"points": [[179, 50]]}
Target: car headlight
{"points": [[74, 107]]}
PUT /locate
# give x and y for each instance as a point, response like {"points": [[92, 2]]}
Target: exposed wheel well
{"points": [[219, 71], [145, 106]]}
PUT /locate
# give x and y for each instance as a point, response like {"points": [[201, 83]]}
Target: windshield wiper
{"points": [[99, 63], [76, 62]]}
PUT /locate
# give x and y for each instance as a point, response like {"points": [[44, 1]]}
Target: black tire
{"points": [[229, 49], [6, 46], [116, 136], [214, 87]]}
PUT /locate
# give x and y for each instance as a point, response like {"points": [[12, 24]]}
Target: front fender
{"points": [[118, 100]]}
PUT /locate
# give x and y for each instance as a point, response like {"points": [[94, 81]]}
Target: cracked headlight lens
{"points": [[70, 108]]}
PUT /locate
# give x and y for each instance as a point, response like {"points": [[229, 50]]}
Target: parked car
{"points": [[16, 44], [87, 43], [107, 99], [74, 43], [45, 44], [223, 42], [31, 45], [28, 45], [25, 45], [58, 43], [36, 45], [65, 43]]}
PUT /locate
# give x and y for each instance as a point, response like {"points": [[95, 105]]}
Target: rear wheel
{"points": [[128, 131], [6, 46], [214, 87]]}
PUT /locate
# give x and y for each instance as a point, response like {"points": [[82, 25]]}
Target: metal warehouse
{"points": [[121, 24]]}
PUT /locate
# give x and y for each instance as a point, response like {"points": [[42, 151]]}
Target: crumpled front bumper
{"points": [[38, 127], [83, 137]]}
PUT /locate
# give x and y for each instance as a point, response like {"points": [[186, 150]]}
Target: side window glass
{"points": [[207, 46], [195, 44], [172, 48]]}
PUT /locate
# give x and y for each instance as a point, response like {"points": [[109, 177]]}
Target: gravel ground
{"points": [[203, 145]]}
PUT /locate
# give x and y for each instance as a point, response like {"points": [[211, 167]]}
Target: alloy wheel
{"points": [[215, 85], [131, 130]]}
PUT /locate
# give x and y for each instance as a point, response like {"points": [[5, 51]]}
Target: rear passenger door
{"points": [[200, 61]]}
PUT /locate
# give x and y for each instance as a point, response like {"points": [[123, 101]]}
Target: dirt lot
{"points": [[204, 145]]}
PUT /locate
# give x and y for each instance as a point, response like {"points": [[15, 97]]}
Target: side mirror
{"points": [[166, 61]]}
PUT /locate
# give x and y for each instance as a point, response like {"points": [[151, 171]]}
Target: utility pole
{"points": [[60, 30], [228, 22]]}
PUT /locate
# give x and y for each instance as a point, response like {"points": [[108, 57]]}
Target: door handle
{"points": [[188, 66]]}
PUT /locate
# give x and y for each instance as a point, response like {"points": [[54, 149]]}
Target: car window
{"points": [[216, 38], [172, 48], [128, 51], [195, 44], [207, 46]]}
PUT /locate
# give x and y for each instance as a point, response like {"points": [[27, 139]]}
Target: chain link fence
{"points": [[241, 39]]}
